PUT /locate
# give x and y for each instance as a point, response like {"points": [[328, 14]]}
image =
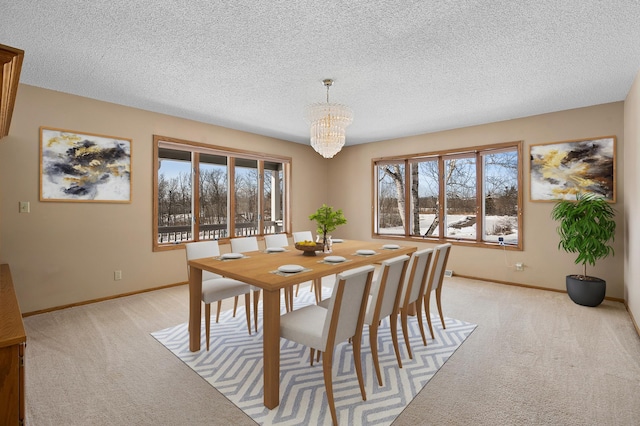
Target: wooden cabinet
{"points": [[10, 67], [12, 344]]}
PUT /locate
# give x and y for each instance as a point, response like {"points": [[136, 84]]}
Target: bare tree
{"points": [[396, 173]]}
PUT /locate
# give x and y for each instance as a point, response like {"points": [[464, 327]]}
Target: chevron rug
{"points": [[233, 365]]}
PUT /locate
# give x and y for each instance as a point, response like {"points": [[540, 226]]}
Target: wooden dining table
{"points": [[260, 269]]}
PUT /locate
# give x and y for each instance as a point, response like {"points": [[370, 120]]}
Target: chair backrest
{"points": [[385, 292], [302, 236], [441, 256], [276, 240], [200, 249], [345, 315], [244, 244], [416, 276]]}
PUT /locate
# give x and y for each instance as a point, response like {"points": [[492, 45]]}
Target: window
{"points": [[238, 193], [471, 196]]}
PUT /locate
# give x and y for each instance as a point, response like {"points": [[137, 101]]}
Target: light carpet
{"points": [[233, 365]]}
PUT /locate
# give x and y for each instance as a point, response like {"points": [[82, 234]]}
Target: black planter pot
{"points": [[588, 291]]}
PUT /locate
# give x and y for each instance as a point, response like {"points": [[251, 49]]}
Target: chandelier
{"points": [[328, 124]]}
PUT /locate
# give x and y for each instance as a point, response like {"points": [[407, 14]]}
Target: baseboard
{"points": [[612, 299], [633, 320], [102, 299]]}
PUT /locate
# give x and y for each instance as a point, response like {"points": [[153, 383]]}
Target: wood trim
{"points": [[534, 287], [101, 299], [222, 150], [10, 68], [449, 152], [633, 320]]}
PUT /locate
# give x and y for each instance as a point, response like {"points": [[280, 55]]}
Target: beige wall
{"points": [[64, 253], [545, 266], [632, 199]]}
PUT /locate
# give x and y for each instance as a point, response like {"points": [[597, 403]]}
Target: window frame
{"points": [[197, 148], [478, 152]]}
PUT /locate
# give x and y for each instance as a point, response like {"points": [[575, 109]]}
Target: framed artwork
{"points": [[84, 167], [561, 170]]}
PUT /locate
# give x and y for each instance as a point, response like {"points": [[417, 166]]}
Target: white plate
{"points": [[366, 252], [390, 246], [337, 240], [334, 259], [232, 256], [290, 268], [275, 249]]}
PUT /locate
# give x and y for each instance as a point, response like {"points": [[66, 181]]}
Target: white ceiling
{"points": [[405, 67]]}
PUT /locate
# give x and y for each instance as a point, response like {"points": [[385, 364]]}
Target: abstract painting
{"points": [[561, 170], [84, 167]]}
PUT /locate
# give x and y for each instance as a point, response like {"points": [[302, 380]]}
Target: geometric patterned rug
{"points": [[233, 365]]}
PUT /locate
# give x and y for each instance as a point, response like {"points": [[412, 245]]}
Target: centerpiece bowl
{"points": [[308, 248]]}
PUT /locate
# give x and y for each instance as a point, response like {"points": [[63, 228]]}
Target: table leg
{"points": [[271, 347], [195, 307]]}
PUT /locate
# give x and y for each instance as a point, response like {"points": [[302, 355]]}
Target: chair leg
{"points": [[427, 313], [393, 323], [420, 323], [405, 331], [218, 311], [297, 289], [438, 302], [317, 287], [207, 321], [247, 303], [357, 358], [256, 297], [235, 305], [288, 298], [312, 354], [373, 343], [328, 383]]}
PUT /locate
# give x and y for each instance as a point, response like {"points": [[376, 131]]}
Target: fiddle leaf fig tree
{"points": [[586, 227], [327, 219]]}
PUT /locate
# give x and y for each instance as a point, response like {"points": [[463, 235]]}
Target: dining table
{"points": [[261, 269]]}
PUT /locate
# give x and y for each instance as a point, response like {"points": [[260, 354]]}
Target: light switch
{"points": [[25, 207]]}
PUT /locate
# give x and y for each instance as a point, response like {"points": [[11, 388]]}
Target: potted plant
{"points": [[586, 227], [327, 220]]}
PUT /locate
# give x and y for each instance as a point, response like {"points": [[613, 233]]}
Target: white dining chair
{"points": [[302, 236], [306, 236], [414, 287], [383, 302], [216, 288], [244, 245], [434, 283], [277, 241], [322, 328]]}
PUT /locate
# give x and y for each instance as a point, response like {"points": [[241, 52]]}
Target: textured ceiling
{"points": [[404, 67]]}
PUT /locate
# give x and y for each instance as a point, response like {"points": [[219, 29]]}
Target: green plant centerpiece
{"points": [[586, 227], [327, 220]]}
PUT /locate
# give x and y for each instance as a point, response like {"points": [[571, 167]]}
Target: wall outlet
{"points": [[519, 266], [117, 275], [448, 273], [501, 241]]}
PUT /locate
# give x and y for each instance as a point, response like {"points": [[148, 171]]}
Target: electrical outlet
{"points": [[501, 241], [117, 275], [519, 266]]}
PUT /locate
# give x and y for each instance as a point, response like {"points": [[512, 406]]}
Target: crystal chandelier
{"points": [[328, 124]]}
